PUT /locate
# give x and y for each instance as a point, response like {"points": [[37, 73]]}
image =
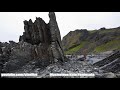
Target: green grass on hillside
{"points": [[72, 40], [73, 45], [112, 45], [75, 49]]}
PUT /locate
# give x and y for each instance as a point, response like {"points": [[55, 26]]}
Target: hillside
{"points": [[91, 41]]}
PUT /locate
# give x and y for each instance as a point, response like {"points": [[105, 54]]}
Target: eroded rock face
{"points": [[35, 33], [47, 36], [40, 43], [56, 42], [110, 63]]}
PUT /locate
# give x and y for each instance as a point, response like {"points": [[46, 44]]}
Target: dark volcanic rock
{"points": [[110, 64], [56, 43], [35, 33], [40, 43], [108, 59], [0, 48], [113, 66], [5, 52]]}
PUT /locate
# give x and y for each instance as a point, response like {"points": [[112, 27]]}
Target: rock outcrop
{"points": [[40, 43], [108, 59], [110, 63], [74, 38], [56, 43], [36, 33]]}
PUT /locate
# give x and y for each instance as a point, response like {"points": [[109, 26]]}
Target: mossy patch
{"points": [[111, 45], [75, 49]]}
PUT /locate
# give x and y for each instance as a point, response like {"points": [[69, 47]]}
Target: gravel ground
{"points": [[69, 67]]}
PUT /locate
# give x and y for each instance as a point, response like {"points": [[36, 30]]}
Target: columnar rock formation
{"points": [[56, 42], [47, 36], [35, 33], [40, 43]]}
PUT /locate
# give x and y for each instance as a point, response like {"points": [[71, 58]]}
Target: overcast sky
{"points": [[11, 23]]}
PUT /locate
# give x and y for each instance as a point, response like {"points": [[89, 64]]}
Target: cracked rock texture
{"points": [[40, 43]]}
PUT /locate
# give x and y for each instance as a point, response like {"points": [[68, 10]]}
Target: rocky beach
{"points": [[40, 50]]}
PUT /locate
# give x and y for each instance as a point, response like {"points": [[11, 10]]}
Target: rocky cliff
{"points": [[91, 41], [40, 45]]}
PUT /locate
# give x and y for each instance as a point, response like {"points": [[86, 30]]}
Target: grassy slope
{"points": [[75, 49], [72, 40], [111, 45]]}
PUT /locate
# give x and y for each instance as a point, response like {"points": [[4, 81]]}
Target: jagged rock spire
{"points": [[55, 35], [45, 37]]}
